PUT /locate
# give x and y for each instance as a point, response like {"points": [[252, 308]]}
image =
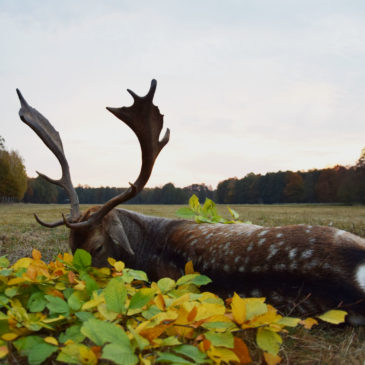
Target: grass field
{"points": [[19, 234]]}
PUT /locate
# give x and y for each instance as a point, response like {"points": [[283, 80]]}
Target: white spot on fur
{"points": [[312, 240], [360, 276], [279, 235], [226, 246], [249, 247], [212, 261], [306, 254], [340, 232], [237, 259], [261, 241], [262, 233], [280, 243], [192, 243], [292, 253], [226, 268], [272, 252], [241, 268], [256, 269]]}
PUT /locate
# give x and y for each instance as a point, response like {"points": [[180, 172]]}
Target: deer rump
{"points": [[300, 269]]}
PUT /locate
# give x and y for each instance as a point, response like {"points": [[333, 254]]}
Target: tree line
{"points": [[331, 185], [13, 178]]}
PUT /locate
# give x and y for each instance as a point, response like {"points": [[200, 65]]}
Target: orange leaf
{"points": [[32, 273], [96, 350], [3, 351], [71, 277], [308, 323], [206, 344], [272, 359], [56, 293], [192, 314], [189, 268], [36, 254], [152, 333], [241, 350]]}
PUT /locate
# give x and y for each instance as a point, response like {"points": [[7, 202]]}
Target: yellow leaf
{"points": [[10, 336], [189, 268], [238, 309], [3, 351], [271, 359], [67, 258], [160, 302], [16, 281], [308, 323], [119, 266], [36, 254], [104, 271], [111, 261], [207, 310], [333, 316], [222, 354], [87, 356], [51, 340], [22, 263], [93, 303]]}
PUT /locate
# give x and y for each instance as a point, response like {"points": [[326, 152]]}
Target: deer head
{"points": [[99, 224]]}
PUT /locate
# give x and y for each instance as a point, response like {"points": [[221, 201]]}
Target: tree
{"points": [[294, 188], [13, 178]]}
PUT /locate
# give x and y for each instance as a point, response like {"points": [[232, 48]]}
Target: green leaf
{"points": [[11, 292], [194, 204], [119, 354], [268, 340], [115, 295], [75, 300], [218, 325], [233, 213], [57, 305], [173, 359], [135, 275], [166, 284], [333, 316], [6, 272], [25, 344], [40, 352], [3, 300], [84, 316], [224, 339], [289, 321], [255, 308], [70, 354], [151, 312], [195, 279], [82, 259], [36, 302], [185, 213], [141, 298], [4, 262], [72, 333], [101, 332], [193, 353], [201, 280], [91, 284]]}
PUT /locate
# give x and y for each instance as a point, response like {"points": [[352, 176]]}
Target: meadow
{"points": [[325, 344]]}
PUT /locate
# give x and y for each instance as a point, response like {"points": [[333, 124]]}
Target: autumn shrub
{"points": [[70, 312]]}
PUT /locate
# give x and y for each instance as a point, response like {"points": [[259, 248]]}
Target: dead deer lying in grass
{"points": [[299, 268]]}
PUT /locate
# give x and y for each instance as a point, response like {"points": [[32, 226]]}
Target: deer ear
{"points": [[117, 234]]}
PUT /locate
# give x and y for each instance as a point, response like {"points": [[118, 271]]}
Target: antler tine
{"points": [[50, 225], [51, 138], [146, 121]]}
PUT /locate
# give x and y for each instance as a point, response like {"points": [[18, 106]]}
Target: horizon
{"points": [[244, 86]]}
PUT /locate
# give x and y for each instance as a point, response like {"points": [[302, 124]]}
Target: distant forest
{"points": [[331, 185]]}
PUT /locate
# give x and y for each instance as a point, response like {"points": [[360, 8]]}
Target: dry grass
{"points": [[341, 345]]}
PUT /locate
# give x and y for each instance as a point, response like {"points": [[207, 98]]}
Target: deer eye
{"points": [[98, 249]]}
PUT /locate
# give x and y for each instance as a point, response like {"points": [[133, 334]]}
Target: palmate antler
{"points": [[142, 117]]}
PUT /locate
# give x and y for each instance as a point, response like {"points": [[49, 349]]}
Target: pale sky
{"points": [[245, 86]]}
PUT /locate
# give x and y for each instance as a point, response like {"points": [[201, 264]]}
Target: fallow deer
{"points": [[301, 269]]}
